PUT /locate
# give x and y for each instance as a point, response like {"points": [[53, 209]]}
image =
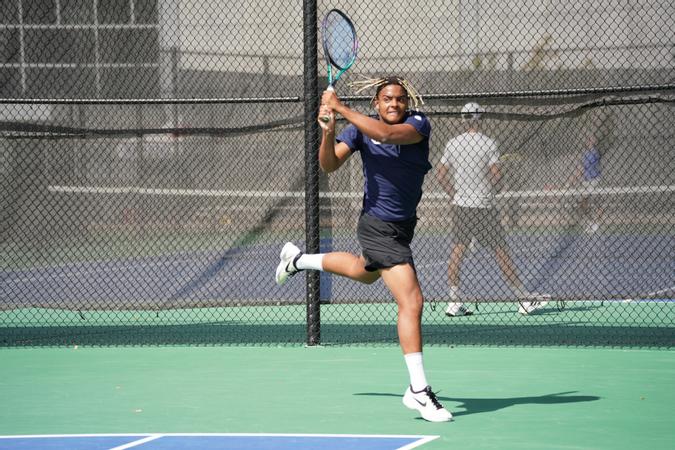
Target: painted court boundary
{"points": [[206, 441]]}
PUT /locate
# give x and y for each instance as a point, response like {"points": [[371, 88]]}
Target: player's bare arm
{"points": [[495, 174], [390, 107], [331, 154], [444, 179]]}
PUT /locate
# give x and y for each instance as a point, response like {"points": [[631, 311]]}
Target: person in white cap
{"points": [[469, 171]]}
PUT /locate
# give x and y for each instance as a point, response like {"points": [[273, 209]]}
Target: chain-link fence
{"points": [[157, 154]]}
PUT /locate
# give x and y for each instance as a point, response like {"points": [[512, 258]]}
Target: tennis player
{"points": [[394, 149], [473, 159], [588, 175]]}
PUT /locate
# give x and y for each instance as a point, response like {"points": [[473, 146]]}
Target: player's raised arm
{"points": [[391, 102], [331, 154]]}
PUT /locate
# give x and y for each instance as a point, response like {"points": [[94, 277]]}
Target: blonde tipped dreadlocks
{"points": [[415, 98]]}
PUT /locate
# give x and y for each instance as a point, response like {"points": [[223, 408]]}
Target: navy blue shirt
{"points": [[393, 173]]}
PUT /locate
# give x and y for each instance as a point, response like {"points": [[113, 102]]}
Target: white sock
{"points": [[310, 262], [418, 380]]}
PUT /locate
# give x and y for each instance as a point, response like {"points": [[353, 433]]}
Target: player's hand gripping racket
{"points": [[339, 46]]}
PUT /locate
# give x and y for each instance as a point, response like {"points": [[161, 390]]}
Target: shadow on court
{"points": [[482, 405]]}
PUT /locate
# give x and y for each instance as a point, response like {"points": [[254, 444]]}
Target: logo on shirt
{"points": [[418, 117], [376, 142]]}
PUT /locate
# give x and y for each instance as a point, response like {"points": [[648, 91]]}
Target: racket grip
{"points": [[330, 88]]}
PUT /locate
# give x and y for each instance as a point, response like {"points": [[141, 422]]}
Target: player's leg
{"points": [[401, 281], [528, 302], [597, 216], [463, 236], [404, 286], [455, 305], [594, 214], [372, 235], [454, 265], [508, 269], [584, 206], [493, 236], [292, 261], [589, 211], [348, 265]]}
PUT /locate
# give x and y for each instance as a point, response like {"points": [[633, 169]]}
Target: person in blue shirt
{"points": [[394, 150], [588, 175]]}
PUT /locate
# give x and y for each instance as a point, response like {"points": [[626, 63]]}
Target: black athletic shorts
{"points": [[479, 223], [385, 244]]}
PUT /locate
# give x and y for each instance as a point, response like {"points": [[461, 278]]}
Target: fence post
{"points": [[311, 105]]}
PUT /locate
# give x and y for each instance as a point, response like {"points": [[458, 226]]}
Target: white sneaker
{"points": [[533, 302], [427, 404], [456, 309], [286, 268]]}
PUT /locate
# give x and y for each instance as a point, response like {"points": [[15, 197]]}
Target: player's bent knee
{"points": [[412, 304], [369, 277]]}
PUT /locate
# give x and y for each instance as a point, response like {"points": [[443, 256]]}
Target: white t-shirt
{"points": [[470, 155]]}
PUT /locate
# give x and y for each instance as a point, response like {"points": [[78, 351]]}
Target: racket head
{"points": [[340, 44]]}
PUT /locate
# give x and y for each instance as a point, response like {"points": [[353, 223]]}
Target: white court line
{"points": [[650, 294], [177, 192], [138, 442], [420, 442], [421, 439], [32, 436], [343, 194]]}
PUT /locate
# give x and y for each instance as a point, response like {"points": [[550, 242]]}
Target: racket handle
{"points": [[330, 88]]}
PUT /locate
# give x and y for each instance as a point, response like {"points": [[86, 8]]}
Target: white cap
{"points": [[472, 110]]}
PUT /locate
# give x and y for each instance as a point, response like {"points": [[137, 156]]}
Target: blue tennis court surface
{"points": [[211, 441], [617, 266]]}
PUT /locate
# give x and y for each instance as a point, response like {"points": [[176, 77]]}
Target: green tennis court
{"points": [[502, 398]]}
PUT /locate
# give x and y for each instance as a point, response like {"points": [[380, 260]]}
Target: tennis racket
{"points": [[340, 46]]}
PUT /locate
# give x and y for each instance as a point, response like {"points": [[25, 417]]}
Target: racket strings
{"points": [[339, 40]]}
